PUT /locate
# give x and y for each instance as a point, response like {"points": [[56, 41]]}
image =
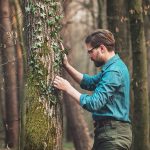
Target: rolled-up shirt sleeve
{"points": [[103, 93], [89, 82]]}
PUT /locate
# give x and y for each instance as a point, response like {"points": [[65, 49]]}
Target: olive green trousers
{"points": [[116, 136]]}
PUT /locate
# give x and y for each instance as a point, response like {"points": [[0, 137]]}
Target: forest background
{"points": [[34, 115]]}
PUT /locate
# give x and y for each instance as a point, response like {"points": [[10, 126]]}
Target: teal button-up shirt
{"points": [[110, 88]]}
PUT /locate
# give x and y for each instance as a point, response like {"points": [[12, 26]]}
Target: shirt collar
{"points": [[110, 61]]}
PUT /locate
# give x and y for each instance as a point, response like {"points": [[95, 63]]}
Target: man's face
{"points": [[96, 55]]}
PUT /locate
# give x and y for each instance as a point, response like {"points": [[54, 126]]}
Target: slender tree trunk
{"points": [[74, 33], [118, 23], [18, 28], [2, 102], [9, 59], [77, 124], [146, 8], [102, 13], [141, 105]]}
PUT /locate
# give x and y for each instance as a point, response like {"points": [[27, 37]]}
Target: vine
{"points": [[46, 55]]}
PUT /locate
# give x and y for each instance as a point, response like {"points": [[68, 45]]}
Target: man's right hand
{"points": [[76, 75], [65, 59]]}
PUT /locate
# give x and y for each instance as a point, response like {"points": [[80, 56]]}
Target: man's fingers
{"points": [[57, 81], [58, 78], [62, 47]]}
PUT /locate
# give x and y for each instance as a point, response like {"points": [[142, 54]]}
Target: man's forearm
{"points": [[74, 94], [76, 75]]}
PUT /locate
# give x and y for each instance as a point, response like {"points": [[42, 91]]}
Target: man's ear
{"points": [[103, 48]]}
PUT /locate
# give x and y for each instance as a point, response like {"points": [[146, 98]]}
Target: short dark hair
{"points": [[101, 36]]}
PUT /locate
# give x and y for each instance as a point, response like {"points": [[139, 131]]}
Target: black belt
{"points": [[106, 122], [102, 123]]}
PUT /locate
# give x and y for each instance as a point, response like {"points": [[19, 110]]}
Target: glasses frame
{"points": [[91, 50]]}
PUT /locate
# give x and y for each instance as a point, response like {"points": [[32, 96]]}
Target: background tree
{"points": [[146, 13], [79, 21], [9, 41], [44, 112], [2, 102], [140, 87], [118, 24], [102, 14], [19, 47]]}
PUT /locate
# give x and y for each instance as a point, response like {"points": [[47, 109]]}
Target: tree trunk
{"points": [[147, 35], [77, 124], [102, 13], [2, 102], [18, 39], [141, 105], [44, 112], [11, 99], [118, 24]]}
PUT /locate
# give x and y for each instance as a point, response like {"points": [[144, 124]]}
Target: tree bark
{"points": [[119, 25], [11, 99], [77, 124], [102, 13], [18, 40], [44, 59], [146, 4], [141, 105], [2, 102]]}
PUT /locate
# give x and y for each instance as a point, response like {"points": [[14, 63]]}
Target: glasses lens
{"points": [[91, 50]]}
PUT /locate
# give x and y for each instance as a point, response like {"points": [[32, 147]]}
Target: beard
{"points": [[98, 63]]}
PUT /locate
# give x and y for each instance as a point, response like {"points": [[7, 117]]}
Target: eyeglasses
{"points": [[91, 50]]}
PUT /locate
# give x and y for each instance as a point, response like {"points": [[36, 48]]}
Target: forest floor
{"points": [[68, 146]]}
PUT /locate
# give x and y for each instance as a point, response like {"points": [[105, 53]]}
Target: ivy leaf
{"points": [[47, 1], [39, 23], [39, 29], [43, 15], [54, 5], [50, 13], [40, 72], [42, 7], [33, 9], [39, 37], [51, 22], [39, 44], [38, 4], [27, 9], [57, 18]]}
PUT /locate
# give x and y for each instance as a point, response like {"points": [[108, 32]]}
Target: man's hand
{"points": [[61, 83], [64, 85], [76, 75], [65, 59]]}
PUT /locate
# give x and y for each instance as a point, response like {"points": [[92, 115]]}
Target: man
{"points": [[109, 103]]}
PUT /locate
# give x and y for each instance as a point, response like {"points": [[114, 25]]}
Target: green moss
{"points": [[40, 132]]}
